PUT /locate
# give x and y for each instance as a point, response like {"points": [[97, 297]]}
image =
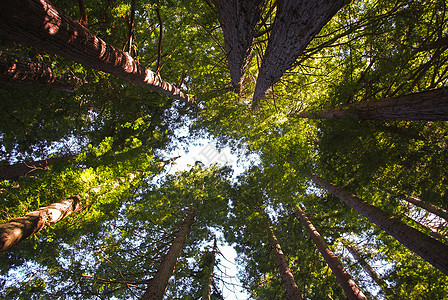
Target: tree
{"points": [[211, 259], [55, 33], [431, 250], [438, 211], [431, 105], [350, 288]]}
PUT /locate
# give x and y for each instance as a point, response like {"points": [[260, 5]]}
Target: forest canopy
{"points": [[344, 104]]}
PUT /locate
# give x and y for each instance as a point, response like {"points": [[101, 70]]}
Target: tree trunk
{"points": [[158, 285], [17, 70], [430, 249], [430, 105], [209, 280], [295, 25], [19, 229], [238, 20], [23, 169], [349, 286], [387, 290], [39, 24], [438, 211], [288, 279]]}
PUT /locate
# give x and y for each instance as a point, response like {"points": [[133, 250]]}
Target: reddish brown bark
{"points": [[19, 229], [295, 25], [158, 285], [39, 24], [209, 280], [428, 248], [288, 279], [349, 286], [23, 169], [431, 105], [17, 70], [82, 11], [238, 20], [168, 161], [438, 211]]}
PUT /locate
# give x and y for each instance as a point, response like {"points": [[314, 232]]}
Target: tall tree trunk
{"points": [[288, 279], [15, 69], [430, 249], [349, 286], [39, 24], [238, 20], [19, 229], [159, 283], [82, 12], [209, 280], [23, 169], [438, 211], [430, 105], [295, 25], [387, 290]]}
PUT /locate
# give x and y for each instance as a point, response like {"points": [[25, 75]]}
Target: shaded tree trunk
{"points": [[438, 211], [349, 286], [159, 283], [295, 25], [17, 70], [82, 12], [39, 24], [209, 280], [20, 228], [387, 290], [288, 279], [23, 169], [430, 249], [431, 105], [238, 20]]}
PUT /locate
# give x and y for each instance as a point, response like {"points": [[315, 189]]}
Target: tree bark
{"points": [[387, 290], [17, 70], [295, 25], [438, 211], [430, 105], [23, 169], [209, 280], [238, 20], [19, 229], [39, 24], [288, 279], [158, 285], [349, 286], [428, 248]]}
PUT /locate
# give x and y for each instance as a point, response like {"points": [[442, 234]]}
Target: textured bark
{"points": [[158, 285], [438, 211], [430, 249], [209, 280], [431, 105], [17, 70], [288, 279], [238, 20], [295, 25], [387, 290], [24, 169], [39, 24], [349, 286], [19, 229]]}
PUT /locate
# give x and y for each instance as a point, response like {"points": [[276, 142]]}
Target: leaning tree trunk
{"points": [[430, 249], [17, 70], [157, 286], [19, 229], [438, 211], [39, 24], [288, 279], [209, 280], [23, 169], [238, 20], [430, 105], [295, 25], [349, 286], [387, 290]]}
